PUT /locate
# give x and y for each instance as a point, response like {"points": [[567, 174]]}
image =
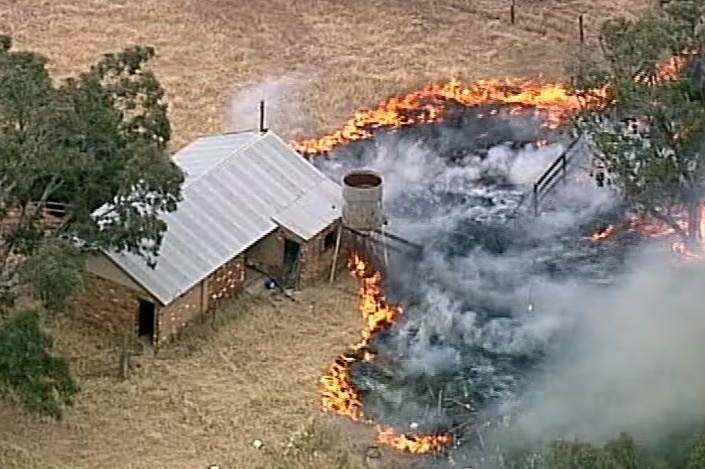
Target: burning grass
{"points": [[182, 411], [656, 229], [551, 102], [339, 394], [423, 107], [357, 53]]}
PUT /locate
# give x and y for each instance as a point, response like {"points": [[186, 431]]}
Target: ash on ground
{"points": [[492, 293]]}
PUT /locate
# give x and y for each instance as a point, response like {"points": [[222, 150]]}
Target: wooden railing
{"points": [[556, 172], [52, 214]]}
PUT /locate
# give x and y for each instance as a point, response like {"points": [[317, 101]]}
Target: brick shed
{"points": [[251, 204]]}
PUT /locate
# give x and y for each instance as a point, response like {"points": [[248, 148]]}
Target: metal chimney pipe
{"points": [[262, 128]]}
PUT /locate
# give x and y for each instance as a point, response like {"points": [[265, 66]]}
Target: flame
{"points": [[672, 66], [692, 253], [659, 230], [339, 394], [603, 233], [553, 102], [413, 444]]}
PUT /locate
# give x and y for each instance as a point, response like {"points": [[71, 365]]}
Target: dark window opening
{"points": [[146, 320], [329, 240]]}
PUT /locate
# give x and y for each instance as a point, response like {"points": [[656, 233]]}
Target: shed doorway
{"points": [[292, 253], [146, 320]]}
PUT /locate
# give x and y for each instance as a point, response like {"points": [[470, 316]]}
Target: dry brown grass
{"points": [[354, 53], [257, 377], [202, 400]]}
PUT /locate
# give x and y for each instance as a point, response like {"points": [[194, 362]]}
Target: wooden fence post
{"points": [[512, 12], [124, 371], [581, 28]]}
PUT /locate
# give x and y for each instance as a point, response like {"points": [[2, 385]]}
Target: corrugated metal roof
{"points": [[313, 212], [238, 187], [206, 152]]}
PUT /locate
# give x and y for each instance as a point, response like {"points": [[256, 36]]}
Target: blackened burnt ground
{"points": [[491, 294]]}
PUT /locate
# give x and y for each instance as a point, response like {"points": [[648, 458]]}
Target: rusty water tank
{"points": [[362, 200]]}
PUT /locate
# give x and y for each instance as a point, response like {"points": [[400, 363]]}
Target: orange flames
{"points": [[553, 102], [658, 229], [417, 444], [339, 393], [603, 233]]}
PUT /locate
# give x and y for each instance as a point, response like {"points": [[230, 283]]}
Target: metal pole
{"points": [[262, 128], [334, 266], [564, 165], [536, 202], [385, 252]]}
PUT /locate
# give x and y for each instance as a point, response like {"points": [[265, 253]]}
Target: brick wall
{"points": [[226, 282], [173, 317], [109, 305], [317, 255], [267, 254], [115, 306]]}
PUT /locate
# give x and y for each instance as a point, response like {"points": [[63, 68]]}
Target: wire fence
{"points": [[515, 16]]}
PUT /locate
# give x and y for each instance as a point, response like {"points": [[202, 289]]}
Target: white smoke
{"points": [[282, 107], [525, 167], [635, 364], [416, 184], [402, 166], [620, 358]]}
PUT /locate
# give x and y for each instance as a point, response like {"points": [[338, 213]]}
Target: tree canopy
{"points": [[650, 70], [96, 144], [41, 382]]}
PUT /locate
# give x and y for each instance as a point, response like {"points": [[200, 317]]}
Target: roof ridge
{"points": [[236, 225]]}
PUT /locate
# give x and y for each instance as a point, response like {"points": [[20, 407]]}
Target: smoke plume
{"points": [[633, 363], [564, 335], [280, 95]]}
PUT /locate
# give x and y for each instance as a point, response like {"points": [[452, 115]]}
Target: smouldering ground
{"points": [[258, 377]]}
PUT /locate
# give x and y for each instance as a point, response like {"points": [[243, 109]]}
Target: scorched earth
{"points": [[452, 336]]}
